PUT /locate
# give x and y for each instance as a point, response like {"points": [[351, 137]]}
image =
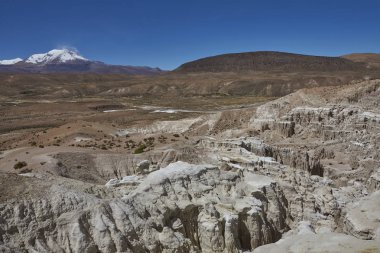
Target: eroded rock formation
{"points": [[303, 169]]}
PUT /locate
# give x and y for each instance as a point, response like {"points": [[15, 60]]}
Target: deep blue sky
{"points": [[166, 33]]}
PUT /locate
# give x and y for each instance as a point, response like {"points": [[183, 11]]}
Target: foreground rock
{"points": [[305, 239], [180, 208], [363, 218]]}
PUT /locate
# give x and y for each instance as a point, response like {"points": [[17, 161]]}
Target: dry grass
{"points": [[27, 87]]}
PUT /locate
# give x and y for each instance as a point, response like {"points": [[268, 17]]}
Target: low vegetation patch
{"points": [[20, 165], [140, 149]]}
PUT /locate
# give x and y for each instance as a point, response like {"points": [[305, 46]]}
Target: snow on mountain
{"points": [[10, 62], [55, 56], [68, 61]]}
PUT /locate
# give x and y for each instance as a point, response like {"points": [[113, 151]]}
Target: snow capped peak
{"points": [[10, 62], [55, 56]]}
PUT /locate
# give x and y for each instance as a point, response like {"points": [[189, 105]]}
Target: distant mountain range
{"points": [[68, 61], [279, 61]]}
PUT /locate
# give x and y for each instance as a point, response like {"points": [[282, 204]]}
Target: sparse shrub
{"points": [[162, 139], [149, 141], [41, 146], [176, 135], [20, 165], [60, 164]]}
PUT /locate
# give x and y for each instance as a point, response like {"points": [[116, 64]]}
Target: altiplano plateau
{"points": [[192, 160]]}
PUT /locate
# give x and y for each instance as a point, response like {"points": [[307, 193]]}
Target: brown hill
{"points": [[275, 74], [371, 59], [268, 61]]}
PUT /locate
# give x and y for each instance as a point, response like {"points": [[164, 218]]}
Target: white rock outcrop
{"points": [[363, 218], [320, 243], [180, 208]]}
